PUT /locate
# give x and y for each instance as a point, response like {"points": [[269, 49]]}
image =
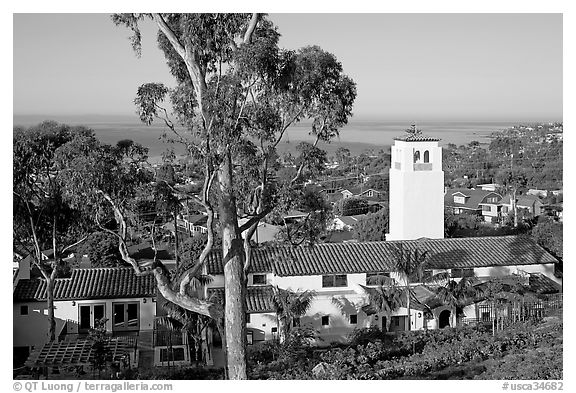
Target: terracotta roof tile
{"points": [[333, 258], [95, 283], [416, 138], [258, 299], [541, 284]]}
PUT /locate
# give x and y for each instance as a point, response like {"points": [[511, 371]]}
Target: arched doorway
{"points": [[444, 319]]}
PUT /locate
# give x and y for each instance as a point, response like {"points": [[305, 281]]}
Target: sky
{"points": [[471, 67]]}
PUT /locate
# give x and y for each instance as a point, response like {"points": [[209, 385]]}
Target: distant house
{"points": [[488, 186], [193, 224], [294, 216], [345, 223], [538, 193], [264, 232], [473, 201], [531, 204]]}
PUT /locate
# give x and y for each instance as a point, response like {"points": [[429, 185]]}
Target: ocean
{"points": [[359, 135]]}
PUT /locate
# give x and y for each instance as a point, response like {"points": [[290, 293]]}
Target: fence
{"points": [[501, 314]]}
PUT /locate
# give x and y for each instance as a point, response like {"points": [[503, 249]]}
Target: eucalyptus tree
{"points": [[42, 220], [236, 95]]}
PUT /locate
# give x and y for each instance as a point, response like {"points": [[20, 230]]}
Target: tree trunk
{"points": [[51, 318], [234, 282], [176, 252], [408, 307]]}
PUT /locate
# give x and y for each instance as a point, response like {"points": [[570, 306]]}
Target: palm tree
{"points": [[290, 305], [383, 299], [410, 264], [457, 294]]}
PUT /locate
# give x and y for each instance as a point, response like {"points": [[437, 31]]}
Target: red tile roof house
{"points": [[336, 271], [470, 201], [128, 302]]}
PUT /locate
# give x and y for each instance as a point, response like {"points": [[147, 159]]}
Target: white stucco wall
{"points": [[29, 329], [261, 325], [32, 329]]}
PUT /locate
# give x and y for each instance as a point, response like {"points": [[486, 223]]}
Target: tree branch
{"points": [[251, 27]]}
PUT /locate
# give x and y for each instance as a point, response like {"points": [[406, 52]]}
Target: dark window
{"points": [[274, 329], [416, 156], [126, 316], [336, 280], [247, 318], [459, 273], [258, 279], [380, 278], [326, 320], [23, 310], [295, 322], [353, 319], [426, 156], [98, 313], [250, 338]]}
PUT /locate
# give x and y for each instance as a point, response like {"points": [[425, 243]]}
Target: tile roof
{"points": [[95, 283], [261, 260], [258, 298], [541, 284], [416, 138], [333, 258]]}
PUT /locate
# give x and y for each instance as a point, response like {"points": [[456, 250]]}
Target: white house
{"points": [[127, 302], [336, 271]]}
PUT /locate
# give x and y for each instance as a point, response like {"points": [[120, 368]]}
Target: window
{"points": [[459, 199], [295, 322], [325, 320], [486, 208], [370, 194], [247, 318], [426, 156], [250, 338], [380, 278], [353, 319], [172, 354], [335, 280], [89, 314], [125, 316], [258, 279], [459, 273], [274, 329], [417, 156], [23, 310]]}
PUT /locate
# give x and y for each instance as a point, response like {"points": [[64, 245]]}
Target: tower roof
{"points": [[416, 138]]}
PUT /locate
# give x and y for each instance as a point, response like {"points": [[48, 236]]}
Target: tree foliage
{"points": [[373, 227]]}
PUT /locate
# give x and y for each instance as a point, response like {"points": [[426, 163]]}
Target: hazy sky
{"points": [[406, 66]]}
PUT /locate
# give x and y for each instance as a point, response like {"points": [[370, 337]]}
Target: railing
{"points": [[516, 311], [167, 338]]}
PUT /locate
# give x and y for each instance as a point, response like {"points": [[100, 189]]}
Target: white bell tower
{"points": [[416, 189]]}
